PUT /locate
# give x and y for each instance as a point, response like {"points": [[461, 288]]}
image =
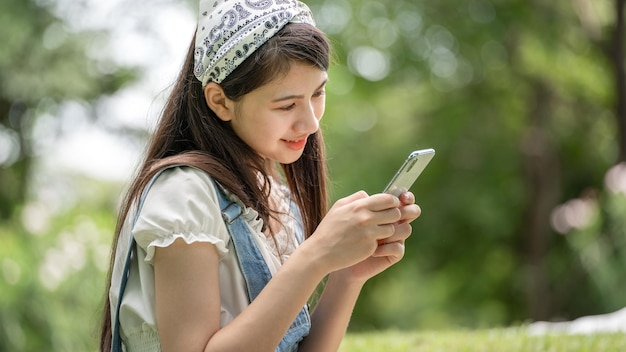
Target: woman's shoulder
{"points": [[180, 195], [180, 203], [186, 180], [183, 175], [179, 182]]}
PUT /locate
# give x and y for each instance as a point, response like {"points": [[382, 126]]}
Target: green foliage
{"points": [[53, 265], [512, 95], [595, 228], [43, 63], [43, 58]]}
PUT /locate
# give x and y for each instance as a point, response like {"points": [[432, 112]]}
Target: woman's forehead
{"points": [[301, 79]]}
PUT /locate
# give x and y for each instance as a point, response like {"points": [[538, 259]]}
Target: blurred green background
{"points": [[523, 206]]}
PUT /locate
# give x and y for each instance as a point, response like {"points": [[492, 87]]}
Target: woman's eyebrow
{"points": [[288, 97]]}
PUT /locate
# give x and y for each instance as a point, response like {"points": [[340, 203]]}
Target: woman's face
{"points": [[276, 119]]}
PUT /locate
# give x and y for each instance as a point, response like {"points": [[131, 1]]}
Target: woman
{"points": [[233, 182]]}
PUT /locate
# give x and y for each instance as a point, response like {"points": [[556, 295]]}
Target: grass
{"points": [[496, 340]]}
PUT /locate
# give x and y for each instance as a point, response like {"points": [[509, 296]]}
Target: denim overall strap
{"points": [[255, 270]]}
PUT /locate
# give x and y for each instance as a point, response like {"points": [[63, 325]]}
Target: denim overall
{"points": [[253, 266]]}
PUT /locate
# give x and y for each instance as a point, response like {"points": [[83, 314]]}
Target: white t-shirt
{"points": [[182, 203]]}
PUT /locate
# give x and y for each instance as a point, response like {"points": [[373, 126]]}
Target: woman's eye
{"points": [[288, 107], [320, 93]]}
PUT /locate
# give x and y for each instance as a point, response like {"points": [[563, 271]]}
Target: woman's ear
{"points": [[217, 101]]}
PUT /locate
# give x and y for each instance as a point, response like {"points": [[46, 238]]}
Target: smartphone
{"points": [[409, 171]]}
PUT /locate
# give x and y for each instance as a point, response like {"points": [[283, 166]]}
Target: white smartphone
{"points": [[409, 171]]}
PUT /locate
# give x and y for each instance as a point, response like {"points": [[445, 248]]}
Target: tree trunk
{"points": [[542, 179], [14, 177], [620, 77]]}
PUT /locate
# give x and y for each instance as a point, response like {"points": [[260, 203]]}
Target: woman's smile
{"points": [[296, 144]]}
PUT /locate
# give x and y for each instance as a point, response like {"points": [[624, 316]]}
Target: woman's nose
{"points": [[309, 121]]}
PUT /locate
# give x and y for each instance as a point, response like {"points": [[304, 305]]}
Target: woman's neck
{"points": [[271, 168]]}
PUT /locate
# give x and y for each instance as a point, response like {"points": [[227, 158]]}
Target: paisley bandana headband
{"points": [[230, 30]]}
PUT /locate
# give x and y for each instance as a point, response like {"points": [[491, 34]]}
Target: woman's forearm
{"points": [[268, 317], [332, 313]]}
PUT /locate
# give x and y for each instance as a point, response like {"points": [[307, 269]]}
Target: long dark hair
{"points": [[190, 133]]}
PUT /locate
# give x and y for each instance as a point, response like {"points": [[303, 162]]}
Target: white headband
{"points": [[230, 30]]}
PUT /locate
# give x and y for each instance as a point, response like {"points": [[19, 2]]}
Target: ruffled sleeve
{"points": [[181, 203]]}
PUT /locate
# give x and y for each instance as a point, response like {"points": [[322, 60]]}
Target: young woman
{"points": [[210, 252]]}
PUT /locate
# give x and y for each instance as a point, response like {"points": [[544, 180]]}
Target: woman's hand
{"points": [[365, 230], [360, 237], [350, 231], [389, 250]]}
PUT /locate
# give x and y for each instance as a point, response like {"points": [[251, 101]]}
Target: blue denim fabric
{"points": [[253, 266], [255, 270]]}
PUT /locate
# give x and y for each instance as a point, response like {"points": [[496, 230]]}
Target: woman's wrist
{"points": [[311, 261], [345, 279]]}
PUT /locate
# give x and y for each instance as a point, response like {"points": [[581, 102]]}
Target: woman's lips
{"points": [[295, 144]]}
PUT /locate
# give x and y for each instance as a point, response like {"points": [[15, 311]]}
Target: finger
{"points": [[407, 198], [401, 233], [395, 251], [378, 209], [387, 216], [385, 231], [351, 198], [383, 201], [409, 213]]}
